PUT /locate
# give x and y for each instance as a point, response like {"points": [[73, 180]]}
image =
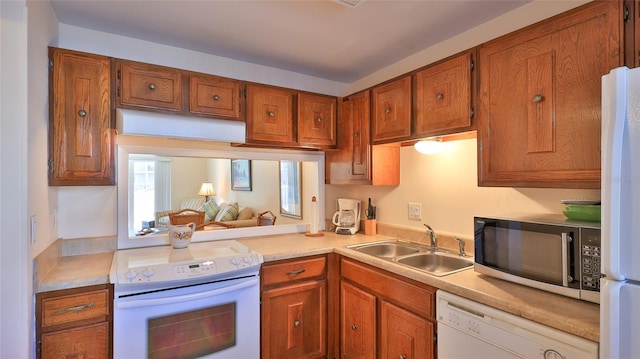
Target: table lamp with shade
{"points": [[206, 190]]}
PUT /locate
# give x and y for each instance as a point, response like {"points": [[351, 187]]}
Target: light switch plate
{"points": [[415, 211]]}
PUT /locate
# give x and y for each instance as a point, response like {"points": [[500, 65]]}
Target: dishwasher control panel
{"points": [[489, 332]]}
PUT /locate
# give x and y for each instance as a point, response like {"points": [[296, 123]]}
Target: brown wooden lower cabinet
{"points": [[294, 309], [75, 323], [384, 315]]}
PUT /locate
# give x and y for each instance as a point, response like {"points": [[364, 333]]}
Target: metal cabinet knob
{"points": [[387, 110], [82, 113], [439, 96], [354, 327], [296, 323], [356, 134], [319, 119], [271, 113], [152, 86], [402, 356], [216, 97], [538, 98]]}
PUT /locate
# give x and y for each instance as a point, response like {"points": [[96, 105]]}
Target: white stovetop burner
{"points": [[154, 268]]}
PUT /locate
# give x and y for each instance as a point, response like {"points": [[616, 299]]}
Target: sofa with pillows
{"points": [[228, 213]]}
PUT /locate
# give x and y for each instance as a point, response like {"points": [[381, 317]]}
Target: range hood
{"points": [[141, 123]]}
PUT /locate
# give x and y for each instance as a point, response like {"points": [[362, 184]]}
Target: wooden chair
{"points": [[187, 216]]}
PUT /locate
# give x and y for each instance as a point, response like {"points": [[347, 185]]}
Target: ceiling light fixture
{"points": [[349, 3], [429, 146]]}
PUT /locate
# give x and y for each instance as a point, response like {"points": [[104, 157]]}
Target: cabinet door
{"points": [[269, 115], [357, 323], [540, 108], [392, 111], [81, 131], [294, 321], [85, 342], [443, 97], [351, 162], [356, 161], [215, 96], [316, 120], [404, 334], [149, 86]]}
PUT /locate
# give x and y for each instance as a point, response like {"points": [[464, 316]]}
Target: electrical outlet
{"points": [[415, 211]]}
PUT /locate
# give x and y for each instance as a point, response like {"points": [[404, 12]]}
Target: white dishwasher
{"points": [[467, 329]]}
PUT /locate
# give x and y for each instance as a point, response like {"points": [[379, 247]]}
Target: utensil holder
{"points": [[370, 227]]}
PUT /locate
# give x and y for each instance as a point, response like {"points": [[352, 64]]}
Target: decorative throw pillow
{"points": [[245, 213], [228, 213], [210, 209]]}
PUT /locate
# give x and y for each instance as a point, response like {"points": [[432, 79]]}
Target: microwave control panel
{"points": [[590, 259]]}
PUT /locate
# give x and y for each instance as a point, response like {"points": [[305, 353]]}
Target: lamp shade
{"points": [[206, 189]]}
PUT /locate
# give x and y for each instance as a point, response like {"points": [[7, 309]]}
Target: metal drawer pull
{"points": [[297, 271], [296, 323], [402, 356], [77, 308], [439, 96], [271, 113], [82, 113], [319, 119], [387, 111], [538, 98], [216, 97], [152, 86], [354, 327]]}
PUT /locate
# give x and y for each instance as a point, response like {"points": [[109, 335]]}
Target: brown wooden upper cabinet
{"points": [[356, 161], [270, 115], [146, 86], [81, 131], [540, 103], [443, 96], [316, 120], [215, 96], [391, 111]]}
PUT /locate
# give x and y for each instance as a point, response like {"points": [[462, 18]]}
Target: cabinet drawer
{"points": [[150, 86], [71, 308], [296, 270], [418, 299]]}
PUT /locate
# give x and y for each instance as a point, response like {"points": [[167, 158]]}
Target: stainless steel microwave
{"points": [[546, 252]]}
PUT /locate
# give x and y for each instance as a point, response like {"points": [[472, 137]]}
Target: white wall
{"points": [[446, 187]]}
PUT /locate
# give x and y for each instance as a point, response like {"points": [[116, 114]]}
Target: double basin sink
{"points": [[438, 262]]}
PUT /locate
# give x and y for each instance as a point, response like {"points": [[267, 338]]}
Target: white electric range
{"points": [[202, 301]]}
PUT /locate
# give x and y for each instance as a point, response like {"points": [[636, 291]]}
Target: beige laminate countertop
{"points": [[570, 315]]}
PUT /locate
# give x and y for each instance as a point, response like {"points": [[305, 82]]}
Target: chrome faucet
{"points": [[461, 247], [432, 236]]}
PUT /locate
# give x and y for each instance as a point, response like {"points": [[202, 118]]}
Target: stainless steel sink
{"points": [[438, 264], [387, 250], [419, 256]]}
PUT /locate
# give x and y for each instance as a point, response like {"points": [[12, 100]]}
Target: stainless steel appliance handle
{"points": [[565, 260], [184, 298]]}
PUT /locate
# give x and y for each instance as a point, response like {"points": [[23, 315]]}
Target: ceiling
{"points": [[321, 38]]}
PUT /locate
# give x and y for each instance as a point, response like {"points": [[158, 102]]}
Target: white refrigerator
{"points": [[620, 288]]}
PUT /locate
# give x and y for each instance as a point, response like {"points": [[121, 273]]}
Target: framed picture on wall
{"points": [[241, 175]]}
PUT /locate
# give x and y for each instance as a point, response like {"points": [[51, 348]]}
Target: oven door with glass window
{"points": [[540, 255], [214, 320]]}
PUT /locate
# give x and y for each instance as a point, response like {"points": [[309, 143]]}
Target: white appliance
{"points": [[197, 302], [467, 329], [347, 218], [620, 288]]}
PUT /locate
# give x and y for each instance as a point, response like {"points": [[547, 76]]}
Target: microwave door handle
{"points": [[565, 260]]}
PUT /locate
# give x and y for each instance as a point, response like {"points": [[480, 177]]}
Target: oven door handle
{"points": [[187, 297]]}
